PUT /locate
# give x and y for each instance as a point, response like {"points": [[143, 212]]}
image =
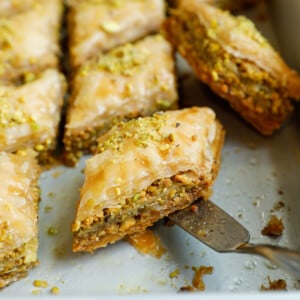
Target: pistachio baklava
{"points": [[144, 170], [135, 79], [19, 196], [231, 56], [100, 25]]}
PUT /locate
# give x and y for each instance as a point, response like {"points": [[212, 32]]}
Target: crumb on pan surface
{"points": [[237, 62], [274, 227], [136, 79], [274, 285], [159, 166], [197, 282]]}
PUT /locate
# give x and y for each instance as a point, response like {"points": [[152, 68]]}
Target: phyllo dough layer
{"points": [[232, 57], [101, 25], [129, 81], [144, 170], [19, 196]]}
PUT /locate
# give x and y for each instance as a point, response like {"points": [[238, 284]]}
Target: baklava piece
{"points": [[232, 57], [129, 81], [19, 196], [30, 113], [144, 170], [104, 24], [29, 36]]}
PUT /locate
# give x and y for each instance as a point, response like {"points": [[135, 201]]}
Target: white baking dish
{"points": [[256, 173]]}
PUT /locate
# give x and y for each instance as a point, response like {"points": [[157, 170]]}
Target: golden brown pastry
{"points": [[100, 25], [19, 195], [144, 170], [129, 81], [232, 57]]}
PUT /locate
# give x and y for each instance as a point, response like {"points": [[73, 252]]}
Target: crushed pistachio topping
{"points": [[29, 77], [214, 23], [39, 147], [136, 197], [174, 274], [112, 3], [163, 103], [124, 60], [11, 116], [248, 28], [141, 131], [110, 26], [243, 25], [5, 236]]}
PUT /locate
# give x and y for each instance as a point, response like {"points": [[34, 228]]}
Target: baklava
{"points": [[236, 62], [100, 25], [30, 113], [19, 196], [129, 81], [144, 170], [29, 36]]}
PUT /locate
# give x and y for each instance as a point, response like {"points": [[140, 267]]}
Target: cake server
{"points": [[217, 229]]}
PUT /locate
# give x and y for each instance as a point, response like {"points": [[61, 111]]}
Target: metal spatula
{"points": [[221, 232]]}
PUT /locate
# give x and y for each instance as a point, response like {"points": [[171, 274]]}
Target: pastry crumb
{"points": [[187, 288], [35, 292], [280, 192], [48, 208], [59, 251], [274, 227], [52, 230], [174, 274], [56, 174], [194, 208], [198, 282], [51, 194], [40, 283], [54, 290], [278, 206], [279, 284]]}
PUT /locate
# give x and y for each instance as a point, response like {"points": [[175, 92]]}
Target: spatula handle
{"points": [[286, 259]]}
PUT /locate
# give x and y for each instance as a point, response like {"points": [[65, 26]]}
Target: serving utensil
{"points": [[217, 229]]}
